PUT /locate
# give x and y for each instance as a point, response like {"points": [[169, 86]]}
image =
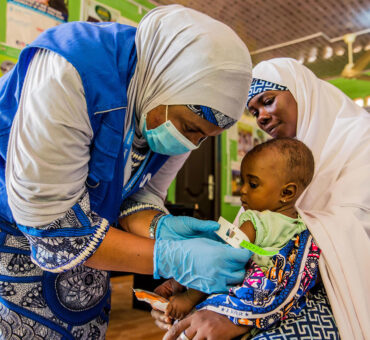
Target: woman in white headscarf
{"points": [[336, 205], [97, 118], [288, 100]]}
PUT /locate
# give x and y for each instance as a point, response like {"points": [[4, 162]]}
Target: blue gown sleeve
{"points": [[69, 240]]}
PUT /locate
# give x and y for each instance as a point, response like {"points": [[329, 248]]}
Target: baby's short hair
{"points": [[299, 158]]}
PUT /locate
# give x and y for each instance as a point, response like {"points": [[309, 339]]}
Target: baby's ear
{"points": [[288, 192]]}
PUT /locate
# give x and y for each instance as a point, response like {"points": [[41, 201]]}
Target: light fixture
{"points": [[340, 51], [311, 58], [313, 55], [359, 101], [300, 59], [357, 48], [367, 100], [328, 52]]}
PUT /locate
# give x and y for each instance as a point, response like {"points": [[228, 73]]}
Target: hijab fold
{"points": [[336, 205]]}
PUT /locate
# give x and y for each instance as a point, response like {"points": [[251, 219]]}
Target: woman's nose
{"points": [[197, 138], [263, 117]]}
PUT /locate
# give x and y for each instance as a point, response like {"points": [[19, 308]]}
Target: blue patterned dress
{"points": [[279, 303], [75, 304], [35, 304]]}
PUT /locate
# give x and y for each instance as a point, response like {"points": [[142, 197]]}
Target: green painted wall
{"points": [[171, 193], [228, 211], [74, 10], [128, 9], [2, 20], [353, 88]]}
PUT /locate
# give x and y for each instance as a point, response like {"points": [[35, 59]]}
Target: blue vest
{"points": [[104, 55]]}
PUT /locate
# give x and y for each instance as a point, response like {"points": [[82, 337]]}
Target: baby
{"points": [[274, 174]]}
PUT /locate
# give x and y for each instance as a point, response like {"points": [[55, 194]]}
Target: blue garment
{"points": [[225, 263], [167, 140], [176, 228], [75, 303], [213, 116], [314, 322], [266, 297]]}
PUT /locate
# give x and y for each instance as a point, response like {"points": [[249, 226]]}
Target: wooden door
{"points": [[197, 183]]}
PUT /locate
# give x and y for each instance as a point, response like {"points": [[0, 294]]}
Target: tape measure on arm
{"points": [[232, 235], [257, 250]]}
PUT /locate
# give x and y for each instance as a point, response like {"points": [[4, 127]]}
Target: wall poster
{"points": [[94, 11], [8, 58], [125, 21], [26, 19], [242, 137]]}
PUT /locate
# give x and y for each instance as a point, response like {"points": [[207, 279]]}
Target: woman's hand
{"points": [[161, 320], [200, 263], [184, 227], [205, 325]]}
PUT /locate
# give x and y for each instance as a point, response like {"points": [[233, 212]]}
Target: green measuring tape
{"points": [[257, 250]]}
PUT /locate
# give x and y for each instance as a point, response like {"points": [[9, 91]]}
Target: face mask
{"points": [[166, 139]]}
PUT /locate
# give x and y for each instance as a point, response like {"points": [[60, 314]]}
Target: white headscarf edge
{"points": [[336, 205], [186, 57]]}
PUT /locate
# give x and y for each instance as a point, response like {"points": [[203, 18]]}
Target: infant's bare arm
{"points": [[248, 229]]}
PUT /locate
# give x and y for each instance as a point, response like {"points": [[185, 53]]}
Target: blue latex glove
{"points": [[183, 227], [200, 263]]}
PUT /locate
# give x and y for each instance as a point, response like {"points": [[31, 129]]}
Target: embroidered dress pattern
{"points": [[33, 317], [81, 288], [69, 240], [263, 299], [314, 322], [130, 206], [37, 304], [32, 301], [14, 326]]}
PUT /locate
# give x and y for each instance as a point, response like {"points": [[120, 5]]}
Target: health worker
{"points": [[96, 121]]}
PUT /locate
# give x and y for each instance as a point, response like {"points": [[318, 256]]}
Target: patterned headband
{"points": [[213, 116], [259, 86]]}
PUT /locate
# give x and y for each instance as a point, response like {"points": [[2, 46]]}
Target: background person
{"points": [[89, 117], [288, 100]]}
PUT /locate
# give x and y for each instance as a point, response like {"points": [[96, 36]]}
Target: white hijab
{"points": [[186, 57], [336, 205]]}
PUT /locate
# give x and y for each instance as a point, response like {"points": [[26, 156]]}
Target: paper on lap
{"points": [[156, 301]]}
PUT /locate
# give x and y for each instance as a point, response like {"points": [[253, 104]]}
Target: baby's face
{"points": [[263, 178]]}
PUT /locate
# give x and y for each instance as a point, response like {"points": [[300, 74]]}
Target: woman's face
{"points": [[276, 113], [188, 123]]}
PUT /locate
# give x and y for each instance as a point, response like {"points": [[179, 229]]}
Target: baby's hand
{"points": [[169, 288], [179, 306]]}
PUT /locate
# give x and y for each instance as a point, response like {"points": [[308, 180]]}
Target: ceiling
{"points": [[310, 31]]}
